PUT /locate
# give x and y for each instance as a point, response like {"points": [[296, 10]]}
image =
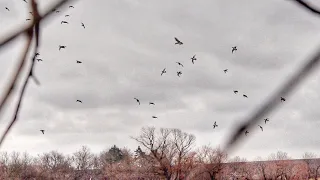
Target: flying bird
{"points": [[193, 59], [7, 8], [179, 64], [138, 101], [261, 127], [42, 131], [235, 92], [39, 59], [265, 120], [179, 73], [245, 96], [28, 19], [247, 132], [154, 117], [215, 125], [71, 7], [83, 25], [178, 41], [61, 47], [151, 103], [234, 49], [37, 54], [67, 15], [163, 71], [225, 71], [79, 101], [64, 22], [79, 62], [283, 99]]}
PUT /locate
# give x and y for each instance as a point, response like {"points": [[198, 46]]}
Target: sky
{"points": [[125, 46]]}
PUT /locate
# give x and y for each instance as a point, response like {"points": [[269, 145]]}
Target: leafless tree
{"points": [[313, 164], [83, 161]]}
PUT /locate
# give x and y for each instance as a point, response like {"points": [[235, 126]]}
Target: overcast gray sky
{"points": [[124, 48]]}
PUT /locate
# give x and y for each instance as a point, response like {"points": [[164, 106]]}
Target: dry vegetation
{"points": [[165, 154]]}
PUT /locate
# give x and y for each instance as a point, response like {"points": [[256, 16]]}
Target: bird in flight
{"points": [[83, 25], [245, 96], [55, 10], [283, 99], [151, 103], [261, 127], [235, 91], [163, 71], [67, 15], [154, 117], [138, 101], [79, 62], [37, 54], [28, 19], [64, 22], [215, 125], [79, 101], [179, 73], [39, 59], [234, 49], [265, 120], [178, 41], [179, 64], [247, 132], [61, 47], [193, 59], [225, 71], [71, 7], [42, 130], [7, 8]]}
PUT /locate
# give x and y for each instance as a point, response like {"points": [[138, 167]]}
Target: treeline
{"points": [[165, 154]]}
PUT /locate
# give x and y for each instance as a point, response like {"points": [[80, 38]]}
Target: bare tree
{"points": [[83, 161], [313, 164]]}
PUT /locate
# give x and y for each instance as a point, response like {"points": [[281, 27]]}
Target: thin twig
{"points": [[274, 101], [16, 74]]}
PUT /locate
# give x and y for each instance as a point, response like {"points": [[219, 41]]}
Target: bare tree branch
{"points": [[305, 5]]}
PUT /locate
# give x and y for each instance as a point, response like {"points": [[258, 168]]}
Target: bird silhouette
{"points": [[79, 62], [151, 103], [7, 8], [28, 19], [83, 25], [154, 117], [215, 125], [39, 59], [163, 71], [265, 120], [193, 59], [179, 73], [57, 11], [71, 7], [79, 101], [235, 91], [225, 71], [283, 99], [67, 15], [138, 101], [247, 132], [261, 127], [179, 64], [64, 22], [42, 130], [61, 47], [37, 54], [245, 96], [234, 49], [178, 41]]}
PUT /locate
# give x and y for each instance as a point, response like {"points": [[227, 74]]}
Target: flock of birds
{"points": [[179, 73], [60, 46], [193, 58]]}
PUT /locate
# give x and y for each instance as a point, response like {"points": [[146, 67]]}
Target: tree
{"points": [[313, 165], [166, 149], [138, 152], [83, 161], [211, 161]]}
